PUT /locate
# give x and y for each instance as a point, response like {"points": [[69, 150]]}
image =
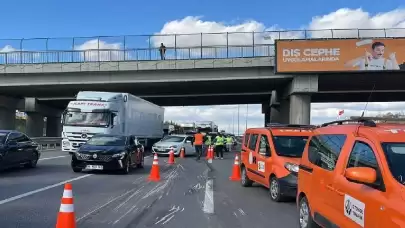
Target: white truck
{"points": [[187, 127], [110, 113], [206, 126]]}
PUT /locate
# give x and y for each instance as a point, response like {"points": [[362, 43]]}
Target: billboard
{"points": [[341, 55]]}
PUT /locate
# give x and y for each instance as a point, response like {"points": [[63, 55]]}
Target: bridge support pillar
{"points": [[35, 124], [8, 107], [300, 109], [53, 126]]}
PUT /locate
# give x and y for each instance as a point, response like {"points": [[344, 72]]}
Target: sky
{"points": [[50, 18]]}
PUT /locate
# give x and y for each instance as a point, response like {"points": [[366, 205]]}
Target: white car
{"points": [[176, 142]]}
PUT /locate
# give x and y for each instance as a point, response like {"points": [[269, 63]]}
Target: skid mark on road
{"points": [[166, 218]]}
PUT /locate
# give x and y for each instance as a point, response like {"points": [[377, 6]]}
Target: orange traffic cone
{"points": [[66, 217], [210, 154], [236, 171], [171, 157], [155, 171], [182, 155], [207, 156]]}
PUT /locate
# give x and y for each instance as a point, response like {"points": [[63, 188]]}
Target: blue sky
{"points": [[50, 18]]}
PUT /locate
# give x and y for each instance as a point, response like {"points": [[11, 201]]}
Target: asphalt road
{"points": [[190, 194]]}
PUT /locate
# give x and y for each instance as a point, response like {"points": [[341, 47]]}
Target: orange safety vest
{"points": [[198, 139]]}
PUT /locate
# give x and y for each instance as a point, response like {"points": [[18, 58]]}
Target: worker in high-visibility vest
{"points": [[219, 142], [198, 143], [229, 143], [207, 143]]}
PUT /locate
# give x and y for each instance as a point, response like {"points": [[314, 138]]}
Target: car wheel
{"points": [[274, 190], [33, 163], [305, 216], [76, 170], [127, 167], [244, 180]]}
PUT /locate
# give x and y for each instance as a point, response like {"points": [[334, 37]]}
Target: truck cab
{"points": [[91, 113]]}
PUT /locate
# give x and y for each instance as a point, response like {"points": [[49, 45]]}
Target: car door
{"points": [[263, 159], [132, 150], [12, 153], [25, 144], [359, 204], [323, 152], [252, 150]]}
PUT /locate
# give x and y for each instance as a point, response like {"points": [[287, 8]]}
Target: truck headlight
{"points": [[291, 167], [119, 155], [66, 143]]}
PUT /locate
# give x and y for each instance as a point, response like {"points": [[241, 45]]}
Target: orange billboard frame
{"points": [[340, 55]]}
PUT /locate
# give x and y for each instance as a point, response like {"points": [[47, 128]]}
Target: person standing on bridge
{"points": [[198, 143], [162, 50]]}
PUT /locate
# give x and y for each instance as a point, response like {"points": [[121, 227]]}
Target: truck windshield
{"points": [[96, 119], [395, 154], [290, 146], [173, 139]]}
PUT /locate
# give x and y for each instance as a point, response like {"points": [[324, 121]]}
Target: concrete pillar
{"points": [[35, 124], [53, 126], [7, 118], [275, 115], [267, 117], [284, 111], [300, 108]]}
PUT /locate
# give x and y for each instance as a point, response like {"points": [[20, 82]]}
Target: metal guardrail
{"points": [[179, 46], [47, 142]]}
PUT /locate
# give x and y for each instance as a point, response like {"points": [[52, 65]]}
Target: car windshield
{"points": [[107, 141], [87, 118], [290, 146], [395, 154], [173, 139], [3, 136]]}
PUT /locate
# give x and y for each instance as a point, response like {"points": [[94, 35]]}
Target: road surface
{"points": [[190, 194]]}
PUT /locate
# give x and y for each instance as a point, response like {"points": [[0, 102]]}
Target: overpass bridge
{"points": [[42, 82]]}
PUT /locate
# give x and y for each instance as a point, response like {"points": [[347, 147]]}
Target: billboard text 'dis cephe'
{"points": [[311, 55]]}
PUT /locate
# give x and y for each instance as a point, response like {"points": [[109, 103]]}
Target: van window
{"points": [[264, 144], [290, 146], [395, 155], [324, 150], [246, 140], [362, 156], [253, 141]]}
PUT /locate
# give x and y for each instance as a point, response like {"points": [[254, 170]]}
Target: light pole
{"points": [[238, 120], [246, 118]]}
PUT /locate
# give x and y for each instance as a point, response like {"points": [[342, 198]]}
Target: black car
{"points": [[109, 152], [17, 149]]}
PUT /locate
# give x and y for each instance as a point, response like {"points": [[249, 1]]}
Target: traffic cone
{"points": [[207, 156], [210, 154], [66, 217], [182, 155], [236, 170], [171, 157], [155, 171]]}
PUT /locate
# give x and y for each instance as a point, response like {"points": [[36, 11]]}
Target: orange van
{"points": [[352, 174], [270, 157]]}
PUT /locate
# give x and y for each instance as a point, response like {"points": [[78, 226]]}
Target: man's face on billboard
{"points": [[378, 52]]}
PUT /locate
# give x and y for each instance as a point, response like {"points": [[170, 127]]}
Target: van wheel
{"points": [[306, 220], [275, 193], [244, 180]]}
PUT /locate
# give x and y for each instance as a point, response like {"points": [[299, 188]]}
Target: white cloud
{"points": [[99, 50]]}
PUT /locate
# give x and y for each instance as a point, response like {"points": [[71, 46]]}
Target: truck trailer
{"points": [[110, 113], [206, 126]]}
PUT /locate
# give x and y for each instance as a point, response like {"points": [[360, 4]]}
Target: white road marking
{"points": [[41, 189], [41, 159], [209, 197]]}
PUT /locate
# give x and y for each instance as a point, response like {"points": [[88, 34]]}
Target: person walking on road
{"points": [[162, 50], [219, 146], [229, 143], [207, 143], [198, 143]]}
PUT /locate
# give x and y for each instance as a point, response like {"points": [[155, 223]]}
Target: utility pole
{"points": [[238, 119], [246, 118], [233, 123]]}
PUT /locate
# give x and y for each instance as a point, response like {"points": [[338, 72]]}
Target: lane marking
{"points": [[41, 189], [49, 158], [209, 197]]}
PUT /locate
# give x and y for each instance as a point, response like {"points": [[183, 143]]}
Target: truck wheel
{"points": [[274, 190], [244, 180], [305, 216]]}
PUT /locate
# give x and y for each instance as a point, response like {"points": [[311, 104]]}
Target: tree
{"points": [[392, 115]]}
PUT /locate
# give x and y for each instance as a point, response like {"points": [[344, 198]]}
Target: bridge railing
{"points": [[47, 142], [179, 46]]}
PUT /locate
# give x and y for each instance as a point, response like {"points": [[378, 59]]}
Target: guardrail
{"points": [[47, 142], [178, 46]]}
